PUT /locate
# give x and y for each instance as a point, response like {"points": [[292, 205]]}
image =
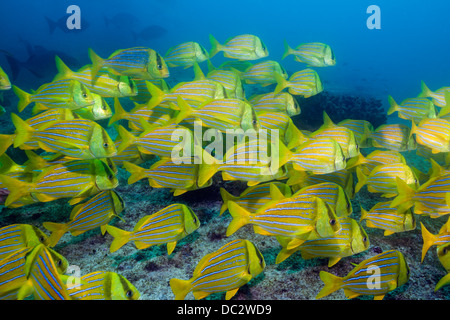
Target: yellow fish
{"points": [[213, 273], [443, 253], [5, 84], [241, 47]]}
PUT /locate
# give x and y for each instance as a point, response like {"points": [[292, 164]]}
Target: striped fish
{"points": [[382, 179], [98, 111], [17, 236], [319, 156], [305, 83], [433, 133], [186, 54], [229, 79], [391, 220], [5, 84], [415, 109], [226, 269], [139, 62], [253, 198], [374, 276], [362, 130], [303, 217], [263, 73], [105, 84], [94, 213], [160, 141], [14, 283], [45, 274], [314, 54], [167, 226], [286, 130], [380, 157], [438, 96], [78, 138], [76, 179], [103, 285], [281, 102], [221, 114], [343, 178], [241, 47], [350, 240], [429, 239], [393, 137], [341, 135], [332, 194], [66, 93], [166, 174]]}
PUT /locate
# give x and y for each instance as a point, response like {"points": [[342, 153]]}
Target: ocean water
{"points": [[410, 46]]}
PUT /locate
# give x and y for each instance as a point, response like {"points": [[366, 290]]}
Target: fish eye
{"points": [[254, 122], [332, 222], [59, 263], [41, 239], [110, 176], [364, 239], [105, 145], [85, 95], [129, 294]]}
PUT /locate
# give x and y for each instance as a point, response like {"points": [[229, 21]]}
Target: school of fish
{"points": [[301, 194]]}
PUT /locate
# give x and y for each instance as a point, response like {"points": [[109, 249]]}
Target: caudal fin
{"points": [[97, 63], [226, 196], [281, 83], [287, 50], [428, 240], [137, 173], [240, 216], [121, 237], [17, 189], [393, 105], [127, 139], [23, 130], [57, 229], [405, 195], [362, 179], [180, 288], [425, 91], [24, 98], [207, 169], [332, 283], [215, 46], [119, 112]]}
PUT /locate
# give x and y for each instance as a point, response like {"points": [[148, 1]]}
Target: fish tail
{"points": [[17, 189], [121, 237], [281, 83], [185, 110], [23, 129], [137, 173], [332, 283], [51, 25], [97, 63], [215, 46], [64, 71], [425, 91], [119, 112], [207, 169], [6, 140], [284, 154], [156, 93], [127, 139], [198, 73], [24, 98], [362, 179], [226, 196], [363, 214], [405, 195], [444, 281], [298, 177], [428, 240], [393, 105], [57, 229], [240, 217], [180, 288], [287, 50]]}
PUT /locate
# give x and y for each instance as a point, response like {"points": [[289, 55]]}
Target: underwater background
{"points": [[411, 46]]}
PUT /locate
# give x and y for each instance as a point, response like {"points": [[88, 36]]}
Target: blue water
{"points": [[412, 44]]}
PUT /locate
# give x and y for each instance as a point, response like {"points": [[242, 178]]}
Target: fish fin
{"points": [[198, 73], [405, 195], [17, 189], [121, 237], [128, 139], [297, 177], [97, 64], [230, 294], [207, 168], [275, 193], [64, 71], [23, 130], [156, 93], [362, 179], [281, 83], [200, 294], [294, 243], [284, 154], [413, 129], [332, 261], [379, 297], [57, 230], [444, 281], [261, 231], [428, 240], [363, 214], [282, 255], [6, 140], [142, 245], [425, 91], [327, 122], [24, 98], [38, 107], [393, 105], [119, 112], [180, 288], [240, 217], [179, 192], [388, 233], [185, 110], [215, 46], [226, 196], [171, 247], [331, 282], [137, 173], [287, 50], [356, 161]]}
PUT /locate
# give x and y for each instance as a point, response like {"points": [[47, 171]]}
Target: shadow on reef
{"points": [[338, 107]]}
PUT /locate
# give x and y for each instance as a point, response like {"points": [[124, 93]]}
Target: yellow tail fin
{"points": [[393, 105], [24, 98], [97, 64], [215, 46], [17, 189], [281, 83], [240, 216], [428, 240], [23, 130], [64, 71], [362, 179], [226, 196], [425, 91], [287, 50], [6, 140], [156, 93], [127, 139], [57, 229], [119, 112], [405, 195], [207, 169], [121, 237], [137, 173], [180, 288], [332, 283]]}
